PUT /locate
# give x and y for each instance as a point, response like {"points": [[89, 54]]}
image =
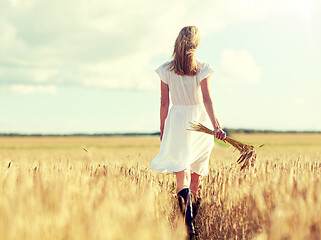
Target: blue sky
{"points": [[88, 66]]}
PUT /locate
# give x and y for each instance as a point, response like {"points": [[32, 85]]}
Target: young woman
{"points": [[186, 153]]}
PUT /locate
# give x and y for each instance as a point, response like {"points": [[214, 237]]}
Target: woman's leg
{"points": [[185, 199], [195, 178], [183, 180]]}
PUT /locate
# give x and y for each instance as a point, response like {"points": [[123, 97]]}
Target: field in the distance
{"points": [[51, 188]]}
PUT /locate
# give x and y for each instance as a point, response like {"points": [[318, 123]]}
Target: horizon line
{"points": [[228, 130]]}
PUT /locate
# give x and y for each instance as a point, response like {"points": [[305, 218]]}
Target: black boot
{"points": [[185, 204], [196, 206]]}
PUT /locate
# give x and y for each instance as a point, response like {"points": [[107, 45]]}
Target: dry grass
{"points": [[51, 188]]}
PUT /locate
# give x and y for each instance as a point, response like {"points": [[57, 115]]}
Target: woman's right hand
{"points": [[220, 134], [161, 135]]}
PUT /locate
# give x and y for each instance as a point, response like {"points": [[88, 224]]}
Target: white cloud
{"points": [[133, 71], [30, 89], [298, 102], [110, 43], [238, 66]]}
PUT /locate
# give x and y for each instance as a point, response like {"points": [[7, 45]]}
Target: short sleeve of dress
{"points": [[205, 72], [162, 73]]}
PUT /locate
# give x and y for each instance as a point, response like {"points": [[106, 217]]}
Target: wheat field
{"points": [[51, 188]]}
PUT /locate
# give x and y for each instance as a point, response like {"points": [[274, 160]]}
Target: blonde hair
{"points": [[187, 41]]}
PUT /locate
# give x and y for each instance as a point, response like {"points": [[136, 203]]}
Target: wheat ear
{"points": [[248, 154]]}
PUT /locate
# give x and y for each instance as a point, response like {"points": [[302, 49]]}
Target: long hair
{"points": [[187, 41]]}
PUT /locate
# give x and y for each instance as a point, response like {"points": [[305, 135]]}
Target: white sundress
{"points": [[180, 148]]}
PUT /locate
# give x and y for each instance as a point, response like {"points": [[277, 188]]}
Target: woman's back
{"points": [[184, 90]]}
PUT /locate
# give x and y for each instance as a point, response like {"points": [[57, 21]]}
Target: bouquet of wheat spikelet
{"points": [[248, 154]]}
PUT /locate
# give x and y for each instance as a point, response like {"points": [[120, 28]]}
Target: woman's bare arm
{"points": [[163, 107], [208, 103]]}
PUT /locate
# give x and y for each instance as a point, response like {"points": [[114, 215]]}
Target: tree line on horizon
{"points": [[229, 131]]}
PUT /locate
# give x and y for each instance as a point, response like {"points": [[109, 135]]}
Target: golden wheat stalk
{"points": [[248, 154]]}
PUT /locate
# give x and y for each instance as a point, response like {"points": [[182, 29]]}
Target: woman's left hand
{"points": [[220, 134]]}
